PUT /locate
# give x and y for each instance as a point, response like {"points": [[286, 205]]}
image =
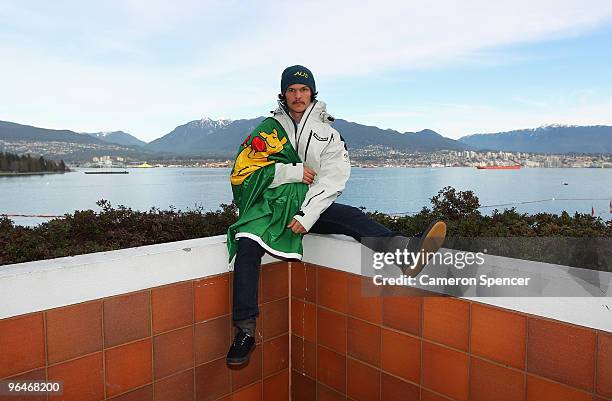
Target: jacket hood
{"points": [[319, 110]]}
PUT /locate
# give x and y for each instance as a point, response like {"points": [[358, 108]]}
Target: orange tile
{"points": [[539, 389], [445, 371], [276, 388], [212, 296], [325, 393], [212, 380], [499, 335], [22, 341], [492, 382], [275, 318], [331, 369], [230, 284], [332, 289], [244, 375], [83, 379], [179, 387], [401, 355], [211, 339], [604, 364], [363, 382], [394, 389], [173, 352], [142, 394], [31, 375], [303, 319], [303, 356], [127, 318], [364, 299], [561, 352], [429, 396], [402, 310], [446, 320], [304, 281], [128, 366], [274, 281], [275, 355], [74, 331], [250, 393], [303, 388], [172, 306], [363, 341], [331, 330]]}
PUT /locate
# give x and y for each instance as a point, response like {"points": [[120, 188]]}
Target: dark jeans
{"points": [[336, 219]]}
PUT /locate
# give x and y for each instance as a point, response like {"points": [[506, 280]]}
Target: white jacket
{"points": [[320, 148]]}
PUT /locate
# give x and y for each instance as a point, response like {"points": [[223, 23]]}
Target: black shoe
{"points": [[241, 348], [425, 245]]}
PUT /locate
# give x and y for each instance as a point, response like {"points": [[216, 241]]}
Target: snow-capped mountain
{"points": [[205, 137], [221, 138], [552, 138], [209, 124]]}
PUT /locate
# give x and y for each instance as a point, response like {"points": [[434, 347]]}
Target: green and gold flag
{"points": [[264, 213]]}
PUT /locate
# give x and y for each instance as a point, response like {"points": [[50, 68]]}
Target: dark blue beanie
{"points": [[297, 74]]}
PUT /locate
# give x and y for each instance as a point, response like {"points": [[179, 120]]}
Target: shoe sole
{"points": [[431, 242], [240, 361]]}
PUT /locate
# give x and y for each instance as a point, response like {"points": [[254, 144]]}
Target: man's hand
{"points": [[295, 225], [308, 177]]}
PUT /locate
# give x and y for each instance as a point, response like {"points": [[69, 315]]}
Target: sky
{"points": [[456, 67]]}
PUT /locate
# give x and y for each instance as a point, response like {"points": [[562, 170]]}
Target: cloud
{"points": [[348, 38], [146, 66]]}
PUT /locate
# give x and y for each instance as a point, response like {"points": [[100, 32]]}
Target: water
{"points": [[389, 190]]}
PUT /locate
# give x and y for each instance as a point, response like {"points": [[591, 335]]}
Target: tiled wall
{"points": [[403, 346], [169, 343], [166, 344]]}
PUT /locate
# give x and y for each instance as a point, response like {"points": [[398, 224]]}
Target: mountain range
{"points": [[14, 131], [547, 139], [118, 137], [205, 137], [65, 144], [220, 138], [209, 137]]}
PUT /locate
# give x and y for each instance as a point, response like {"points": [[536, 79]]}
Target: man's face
{"points": [[298, 97]]}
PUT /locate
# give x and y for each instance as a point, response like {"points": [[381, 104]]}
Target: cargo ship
{"points": [[513, 167], [107, 172]]}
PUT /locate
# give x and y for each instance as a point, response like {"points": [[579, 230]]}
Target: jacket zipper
{"points": [[307, 145], [297, 145], [295, 127]]}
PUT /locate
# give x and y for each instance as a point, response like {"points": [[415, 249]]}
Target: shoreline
{"points": [[10, 174]]}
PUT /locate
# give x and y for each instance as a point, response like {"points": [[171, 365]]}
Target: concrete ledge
{"points": [[344, 253], [41, 285], [45, 284]]}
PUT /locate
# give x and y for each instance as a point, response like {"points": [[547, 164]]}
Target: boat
{"points": [[143, 165], [107, 172], [513, 167]]}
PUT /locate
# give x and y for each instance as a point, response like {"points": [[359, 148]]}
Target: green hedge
{"points": [[116, 228]]}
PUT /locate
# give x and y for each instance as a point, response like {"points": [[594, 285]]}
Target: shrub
{"points": [[561, 238]]}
